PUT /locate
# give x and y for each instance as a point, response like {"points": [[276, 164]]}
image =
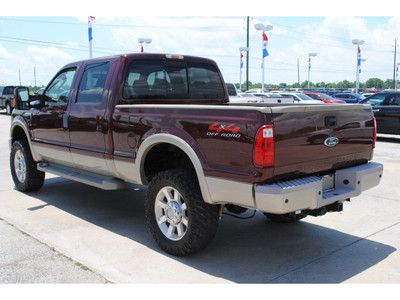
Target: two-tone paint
{"points": [[113, 137]]}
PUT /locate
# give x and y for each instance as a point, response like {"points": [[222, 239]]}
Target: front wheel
{"points": [[26, 176], [177, 216]]}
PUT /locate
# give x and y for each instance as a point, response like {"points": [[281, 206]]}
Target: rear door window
{"points": [[393, 100], [93, 83]]}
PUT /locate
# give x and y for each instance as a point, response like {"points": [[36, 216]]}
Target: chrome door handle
{"points": [[65, 121]]}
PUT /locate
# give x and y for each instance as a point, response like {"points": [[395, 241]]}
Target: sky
{"points": [[48, 43]]}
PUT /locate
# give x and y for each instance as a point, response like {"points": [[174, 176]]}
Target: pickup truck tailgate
{"points": [[315, 139]]}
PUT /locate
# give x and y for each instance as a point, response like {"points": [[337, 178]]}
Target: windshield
{"points": [[326, 96], [9, 90], [376, 99]]}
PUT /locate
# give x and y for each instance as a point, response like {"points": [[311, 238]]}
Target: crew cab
{"points": [[165, 121]]}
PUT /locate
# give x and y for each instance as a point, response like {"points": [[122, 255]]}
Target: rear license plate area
{"points": [[328, 182]]}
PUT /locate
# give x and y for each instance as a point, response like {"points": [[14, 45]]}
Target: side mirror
{"points": [[21, 98]]}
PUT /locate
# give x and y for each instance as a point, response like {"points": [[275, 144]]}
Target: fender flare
{"points": [[17, 122], [162, 138]]}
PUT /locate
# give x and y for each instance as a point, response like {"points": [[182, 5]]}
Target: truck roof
{"points": [[146, 56]]}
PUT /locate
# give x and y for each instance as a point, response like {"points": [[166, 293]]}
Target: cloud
{"points": [[332, 40], [46, 60], [219, 38]]}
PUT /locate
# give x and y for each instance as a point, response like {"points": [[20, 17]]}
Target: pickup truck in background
{"points": [[165, 121], [386, 108], [6, 96], [235, 97]]}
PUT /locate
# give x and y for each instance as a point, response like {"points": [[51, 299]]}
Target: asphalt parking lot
{"points": [[103, 233]]}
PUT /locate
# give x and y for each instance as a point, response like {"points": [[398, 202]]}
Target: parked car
{"points": [[349, 97], [365, 95], [164, 121], [269, 98], [232, 91], [6, 95], [386, 108], [236, 97], [246, 95], [300, 98], [323, 97]]}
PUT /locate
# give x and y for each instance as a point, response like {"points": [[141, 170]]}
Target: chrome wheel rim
{"points": [[171, 213], [20, 166]]}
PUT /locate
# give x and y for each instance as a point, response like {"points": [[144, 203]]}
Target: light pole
{"points": [[311, 54], [141, 41], [397, 76], [241, 49], [358, 43], [263, 28]]}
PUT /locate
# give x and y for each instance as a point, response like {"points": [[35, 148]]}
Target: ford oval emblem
{"points": [[331, 141]]}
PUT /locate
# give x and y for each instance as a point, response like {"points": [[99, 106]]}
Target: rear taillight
{"points": [[374, 134], [264, 147]]}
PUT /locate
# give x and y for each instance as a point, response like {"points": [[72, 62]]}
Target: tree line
{"points": [[376, 83]]}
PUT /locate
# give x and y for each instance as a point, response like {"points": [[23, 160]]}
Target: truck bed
{"points": [[300, 132]]}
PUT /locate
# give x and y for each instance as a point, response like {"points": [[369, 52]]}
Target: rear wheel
{"points": [[26, 176], [285, 218], [177, 216]]}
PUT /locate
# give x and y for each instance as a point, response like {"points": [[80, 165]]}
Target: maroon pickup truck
{"points": [[164, 121]]}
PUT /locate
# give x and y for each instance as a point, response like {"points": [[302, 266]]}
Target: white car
{"points": [[245, 95], [301, 98], [260, 98]]}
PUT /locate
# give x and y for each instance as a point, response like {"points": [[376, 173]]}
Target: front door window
{"points": [[58, 91]]}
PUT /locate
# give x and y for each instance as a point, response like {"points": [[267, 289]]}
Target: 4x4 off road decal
{"points": [[223, 130]]}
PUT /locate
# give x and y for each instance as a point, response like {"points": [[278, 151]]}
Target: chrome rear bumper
{"points": [[308, 192]]}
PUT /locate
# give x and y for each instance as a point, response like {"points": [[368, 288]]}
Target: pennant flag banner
{"points": [[265, 44], [241, 60], [90, 22]]}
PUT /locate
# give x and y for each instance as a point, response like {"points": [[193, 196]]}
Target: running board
{"points": [[89, 178]]}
